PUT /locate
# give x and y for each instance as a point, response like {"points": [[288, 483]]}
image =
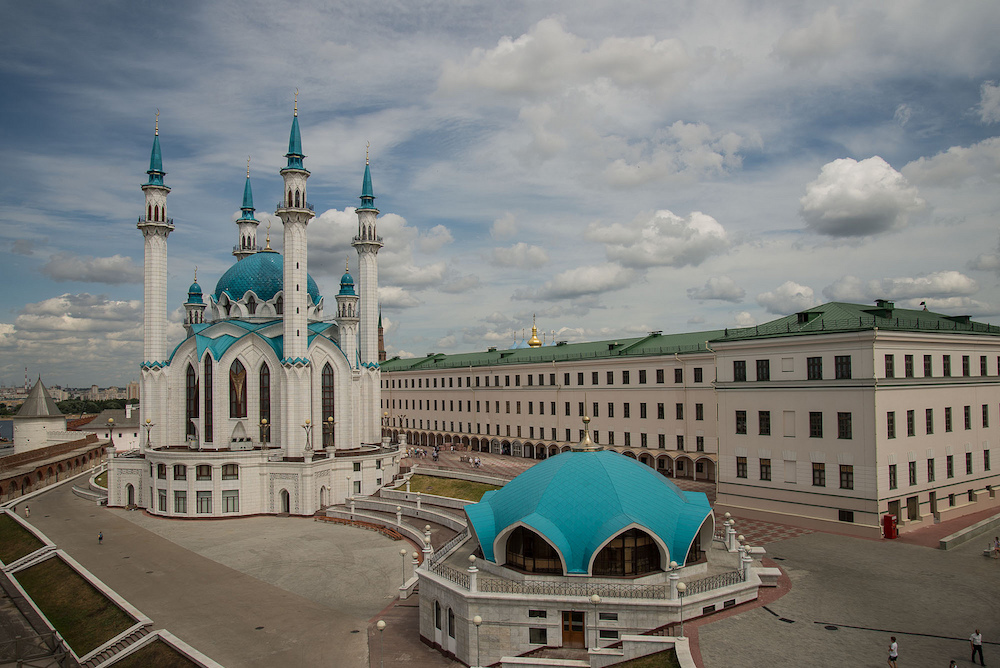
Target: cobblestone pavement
{"points": [[759, 532]]}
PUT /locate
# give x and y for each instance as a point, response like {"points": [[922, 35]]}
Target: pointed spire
{"points": [[295, 154], [247, 197], [155, 170], [367, 192]]}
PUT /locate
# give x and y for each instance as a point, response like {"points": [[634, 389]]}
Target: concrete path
{"points": [[930, 600], [261, 591]]}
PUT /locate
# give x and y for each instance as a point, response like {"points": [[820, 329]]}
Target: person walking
{"points": [[893, 652], [976, 640], [100, 538], [27, 510]]}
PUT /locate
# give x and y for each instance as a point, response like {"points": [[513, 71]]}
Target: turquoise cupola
{"points": [[195, 294], [347, 283], [155, 170], [247, 208], [367, 194], [295, 154]]}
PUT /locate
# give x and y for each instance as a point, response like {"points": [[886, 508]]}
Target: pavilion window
{"points": [[630, 553], [528, 551], [237, 390]]}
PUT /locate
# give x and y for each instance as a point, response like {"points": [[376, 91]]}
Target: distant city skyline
{"points": [[608, 169]]}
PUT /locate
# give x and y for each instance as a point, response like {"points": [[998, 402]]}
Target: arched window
{"points": [[149, 212], [632, 552], [327, 394], [528, 551], [237, 390], [296, 198], [156, 212], [251, 305], [265, 402], [289, 197], [191, 400], [279, 305], [207, 379]]}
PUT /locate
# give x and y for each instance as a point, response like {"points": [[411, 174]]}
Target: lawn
{"points": [[83, 615], [158, 654], [15, 540], [102, 480], [450, 487]]}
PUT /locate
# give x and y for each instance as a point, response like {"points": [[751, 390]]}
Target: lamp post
{"points": [[263, 430], [381, 644], [308, 427], [148, 427], [329, 428], [681, 588], [478, 621], [402, 553], [596, 600], [111, 437]]}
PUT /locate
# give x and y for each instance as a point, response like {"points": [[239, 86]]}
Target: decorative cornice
{"points": [[154, 365], [294, 361]]}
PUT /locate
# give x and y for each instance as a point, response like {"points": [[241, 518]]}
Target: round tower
{"points": [[368, 243], [194, 307]]}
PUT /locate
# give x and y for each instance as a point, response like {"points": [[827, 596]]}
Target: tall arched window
{"points": [[265, 401], [156, 212], [530, 552], [237, 390], [207, 379], [149, 212], [289, 197], [191, 400], [296, 198], [328, 406], [632, 552], [279, 305], [251, 305]]}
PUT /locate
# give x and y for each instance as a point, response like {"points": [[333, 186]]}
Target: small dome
{"points": [[263, 274], [346, 284], [577, 501], [194, 294], [195, 289]]}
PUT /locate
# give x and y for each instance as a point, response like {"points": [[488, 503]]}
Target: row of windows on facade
{"points": [[911, 420], [203, 501], [238, 399], [844, 424], [595, 408], [847, 471], [229, 471], [626, 379], [572, 620], [842, 367]]}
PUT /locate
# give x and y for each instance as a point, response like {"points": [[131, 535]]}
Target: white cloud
{"points": [[986, 262], [390, 296], [22, 247], [937, 284], [114, 270], [952, 305], [504, 227], [789, 297], [446, 342], [718, 287], [989, 104], [977, 163], [854, 199], [460, 284], [847, 289], [520, 255], [661, 239], [743, 319], [902, 115], [824, 38], [580, 282], [435, 238]]}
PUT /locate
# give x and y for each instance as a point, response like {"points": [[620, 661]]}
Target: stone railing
{"points": [[715, 582], [443, 551], [453, 574], [553, 588]]}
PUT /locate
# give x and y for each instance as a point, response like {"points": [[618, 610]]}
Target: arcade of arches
{"points": [[29, 471], [671, 463]]}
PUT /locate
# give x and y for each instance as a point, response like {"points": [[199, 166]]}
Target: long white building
{"points": [[267, 406]]}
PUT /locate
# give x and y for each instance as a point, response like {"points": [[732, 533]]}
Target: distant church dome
{"points": [[263, 274], [579, 503]]}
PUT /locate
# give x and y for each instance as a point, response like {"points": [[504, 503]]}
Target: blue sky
{"points": [[612, 168]]}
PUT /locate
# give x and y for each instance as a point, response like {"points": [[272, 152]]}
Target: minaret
{"points": [[194, 307], [381, 338], [368, 242], [295, 213], [156, 227], [347, 317], [246, 245]]}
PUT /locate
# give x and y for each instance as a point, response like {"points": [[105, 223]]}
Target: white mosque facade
{"points": [[267, 406]]}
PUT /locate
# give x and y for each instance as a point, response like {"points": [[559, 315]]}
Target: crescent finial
{"points": [[368, 145], [296, 101], [248, 166], [156, 125]]}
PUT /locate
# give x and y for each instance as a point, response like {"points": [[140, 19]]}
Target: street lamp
{"points": [[329, 426], [308, 427], [148, 427], [681, 588], [478, 621], [381, 645], [263, 430], [111, 437], [596, 600], [402, 553]]}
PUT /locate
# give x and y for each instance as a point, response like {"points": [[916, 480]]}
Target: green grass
{"points": [[156, 654], [450, 487], [15, 540], [664, 659], [83, 615], [102, 480]]}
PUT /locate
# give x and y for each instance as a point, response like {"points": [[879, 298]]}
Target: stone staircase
{"points": [[117, 648]]}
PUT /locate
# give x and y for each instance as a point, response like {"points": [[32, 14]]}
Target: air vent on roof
{"points": [[561, 343], [884, 303], [658, 332], [491, 349], [612, 346]]}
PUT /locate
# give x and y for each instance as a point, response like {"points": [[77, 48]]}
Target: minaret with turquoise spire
{"points": [[347, 316], [246, 245], [155, 227], [368, 244], [194, 307], [295, 213]]}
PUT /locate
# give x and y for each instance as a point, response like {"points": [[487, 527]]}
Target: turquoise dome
{"points": [[578, 501], [194, 294], [261, 272], [347, 284]]}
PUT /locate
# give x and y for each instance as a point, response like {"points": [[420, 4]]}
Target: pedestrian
{"points": [[893, 652], [996, 547], [27, 510], [976, 640], [100, 538]]}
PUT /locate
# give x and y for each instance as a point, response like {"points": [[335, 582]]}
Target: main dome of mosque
{"points": [[261, 273]]}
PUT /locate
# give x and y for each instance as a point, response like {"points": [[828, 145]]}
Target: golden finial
{"points": [[196, 273], [368, 145], [248, 166], [267, 239], [156, 125], [296, 101], [347, 265], [534, 342]]}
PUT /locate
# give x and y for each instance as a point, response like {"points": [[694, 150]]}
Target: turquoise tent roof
{"points": [[295, 154], [579, 500], [367, 194], [247, 207], [261, 272], [155, 170]]}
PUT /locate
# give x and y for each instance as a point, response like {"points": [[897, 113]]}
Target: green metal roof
{"points": [[578, 500], [843, 317], [643, 346]]}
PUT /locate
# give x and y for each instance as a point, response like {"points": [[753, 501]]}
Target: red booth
{"points": [[889, 529]]}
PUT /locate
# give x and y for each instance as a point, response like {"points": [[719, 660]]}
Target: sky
{"points": [[606, 168]]}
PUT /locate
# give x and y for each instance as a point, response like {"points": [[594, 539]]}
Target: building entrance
{"points": [[573, 629]]}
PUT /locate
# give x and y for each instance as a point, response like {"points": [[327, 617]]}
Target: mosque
{"points": [[267, 406]]}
